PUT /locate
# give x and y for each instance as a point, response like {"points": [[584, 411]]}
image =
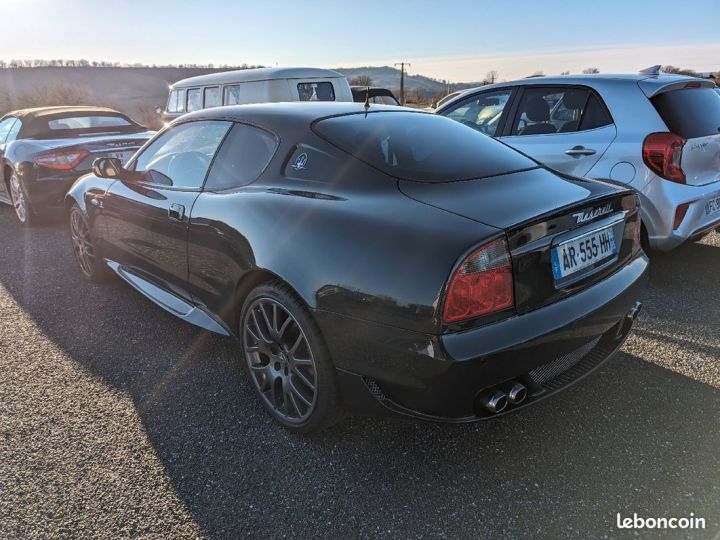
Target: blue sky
{"points": [[461, 42]]}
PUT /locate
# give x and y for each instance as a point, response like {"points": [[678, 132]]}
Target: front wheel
{"points": [[86, 253], [20, 202], [287, 360]]}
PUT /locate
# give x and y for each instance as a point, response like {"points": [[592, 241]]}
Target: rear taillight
{"points": [[482, 284], [63, 160], [662, 153]]}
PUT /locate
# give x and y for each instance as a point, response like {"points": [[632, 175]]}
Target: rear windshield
{"points": [[88, 122], [421, 147], [690, 112]]}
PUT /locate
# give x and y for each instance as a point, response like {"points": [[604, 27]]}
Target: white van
{"points": [[261, 85]]}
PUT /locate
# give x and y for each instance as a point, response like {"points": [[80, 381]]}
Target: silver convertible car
{"points": [[654, 132]]}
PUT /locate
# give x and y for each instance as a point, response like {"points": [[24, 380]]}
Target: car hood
{"points": [[507, 200]]}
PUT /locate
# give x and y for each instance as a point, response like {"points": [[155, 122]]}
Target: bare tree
{"points": [[565, 73], [680, 71], [590, 70], [361, 80], [491, 76]]}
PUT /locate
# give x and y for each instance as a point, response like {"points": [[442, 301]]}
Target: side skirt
{"points": [[168, 301]]}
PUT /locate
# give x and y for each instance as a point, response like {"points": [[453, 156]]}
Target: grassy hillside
{"points": [[135, 91]]}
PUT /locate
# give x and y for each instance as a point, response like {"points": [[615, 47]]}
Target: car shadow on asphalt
{"points": [[635, 436]]}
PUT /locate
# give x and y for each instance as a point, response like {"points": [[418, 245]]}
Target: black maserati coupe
{"points": [[44, 150], [372, 261]]}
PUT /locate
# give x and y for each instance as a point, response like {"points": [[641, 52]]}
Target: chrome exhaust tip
{"points": [[516, 393], [495, 401], [634, 311]]}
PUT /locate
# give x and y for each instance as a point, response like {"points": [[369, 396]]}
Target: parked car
{"points": [[446, 99], [387, 261], [378, 96], [44, 150], [656, 133], [261, 85]]}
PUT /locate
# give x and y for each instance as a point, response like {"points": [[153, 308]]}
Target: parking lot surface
{"points": [[119, 420]]}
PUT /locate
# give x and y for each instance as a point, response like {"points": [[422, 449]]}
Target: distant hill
{"points": [[138, 90], [389, 77], [134, 91]]}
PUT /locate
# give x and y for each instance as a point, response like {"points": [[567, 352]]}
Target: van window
{"points": [[194, 100], [212, 97], [690, 112], [231, 95], [243, 156], [176, 101], [317, 91]]}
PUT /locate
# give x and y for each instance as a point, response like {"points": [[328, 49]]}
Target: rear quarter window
{"points": [[243, 156], [421, 147], [690, 112], [316, 91]]}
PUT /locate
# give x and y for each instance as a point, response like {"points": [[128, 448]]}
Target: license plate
{"points": [[583, 251], [712, 206]]}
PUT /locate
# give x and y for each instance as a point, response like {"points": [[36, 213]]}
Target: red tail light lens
{"points": [[62, 160], [680, 212], [662, 153], [481, 285]]}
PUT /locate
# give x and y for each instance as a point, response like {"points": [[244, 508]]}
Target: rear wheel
{"points": [[20, 202], [287, 360], [86, 254]]}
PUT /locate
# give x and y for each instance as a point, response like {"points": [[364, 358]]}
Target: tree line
{"points": [[84, 63]]}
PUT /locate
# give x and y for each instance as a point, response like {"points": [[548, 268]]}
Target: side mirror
{"points": [[158, 110], [107, 167], [434, 105]]}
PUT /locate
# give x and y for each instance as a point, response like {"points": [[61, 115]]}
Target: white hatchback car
{"points": [[657, 133]]}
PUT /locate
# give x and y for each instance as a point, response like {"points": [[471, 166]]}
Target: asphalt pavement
{"points": [[119, 420]]}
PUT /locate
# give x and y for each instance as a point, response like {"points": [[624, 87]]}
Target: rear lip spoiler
{"points": [[654, 89]]}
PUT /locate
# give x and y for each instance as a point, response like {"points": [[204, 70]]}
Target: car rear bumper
{"points": [[46, 190], [659, 201], [440, 378]]}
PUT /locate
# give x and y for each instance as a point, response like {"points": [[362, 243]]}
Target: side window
{"points": [[5, 127], [172, 102], [13, 133], [595, 115], [558, 110], [245, 153], [176, 101], [231, 95], [181, 156], [481, 111], [212, 97], [316, 91], [194, 100]]}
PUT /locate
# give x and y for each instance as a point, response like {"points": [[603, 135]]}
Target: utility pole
{"points": [[402, 81]]}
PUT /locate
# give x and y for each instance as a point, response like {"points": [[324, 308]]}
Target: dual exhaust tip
{"points": [[497, 400]]}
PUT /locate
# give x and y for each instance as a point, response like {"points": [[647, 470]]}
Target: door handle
{"points": [[176, 211], [579, 150]]}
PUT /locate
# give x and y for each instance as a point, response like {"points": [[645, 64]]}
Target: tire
{"points": [[87, 256], [287, 360], [20, 201]]}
